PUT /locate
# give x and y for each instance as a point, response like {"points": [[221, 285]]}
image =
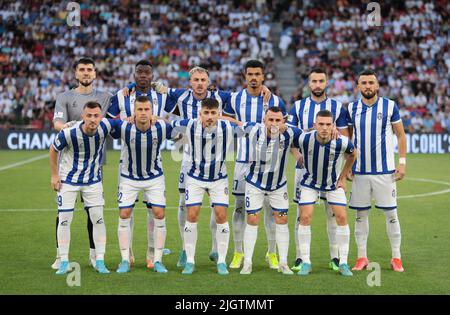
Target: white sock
{"points": [[182, 216], [393, 232], [269, 224], [331, 230], [92, 253], [223, 238], [123, 232], [362, 232], [343, 241], [159, 237], [98, 231], [150, 235], [304, 241], [63, 232], [213, 228], [282, 235], [190, 240], [131, 233], [297, 223], [250, 236], [239, 223]]}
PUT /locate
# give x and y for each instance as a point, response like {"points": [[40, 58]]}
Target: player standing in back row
{"points": [[374, 120], [248, 106]]}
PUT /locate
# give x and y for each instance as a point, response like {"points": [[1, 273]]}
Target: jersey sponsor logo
{"points": [[380, 116]]}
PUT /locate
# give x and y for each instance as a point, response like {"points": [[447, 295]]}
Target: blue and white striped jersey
{"points": [[141, 153], [81, 154], [124, 105], [207, 149], [303, 114], [322, 161], [188, 105], [372, 135], [248, 108], [268, 156]]}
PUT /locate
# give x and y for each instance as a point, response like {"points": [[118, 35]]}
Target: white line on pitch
{"points": [[36, 158]]}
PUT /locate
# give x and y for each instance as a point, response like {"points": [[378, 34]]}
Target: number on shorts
{"points": [[297, 194], [59, 200], [119, 196], [247, 202], [181, 178], [187, 194], [236, 185]]}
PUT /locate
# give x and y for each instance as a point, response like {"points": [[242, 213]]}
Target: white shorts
{"points": [[92, 196], [254, 199], [183, 176], [239, 183], [154, 192], [382, 188], [309, 196], [299, 172], [217, 190]]}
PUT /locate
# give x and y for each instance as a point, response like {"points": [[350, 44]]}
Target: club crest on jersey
{"points": [[74, 104], [155, 141], [380, 116], [132, 140]]}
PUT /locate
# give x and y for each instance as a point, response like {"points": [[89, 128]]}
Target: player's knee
{"points": [[253, 218], [221, 217], [305, 218], [192, 217], [341, 218], [158, 213], [125, 213], [281, 218]]}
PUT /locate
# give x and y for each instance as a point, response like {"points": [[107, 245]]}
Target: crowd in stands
{"points": [[410, 51]]}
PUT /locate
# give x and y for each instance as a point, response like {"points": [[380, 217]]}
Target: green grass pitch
{"points": [[27, 240]]}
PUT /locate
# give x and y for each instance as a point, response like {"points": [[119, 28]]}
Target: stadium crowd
{"points": [[410, 51]]}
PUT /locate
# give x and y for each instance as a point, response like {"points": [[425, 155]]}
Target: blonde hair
{"points": [[197, 69]]}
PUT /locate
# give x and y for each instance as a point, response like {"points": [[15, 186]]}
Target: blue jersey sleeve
{"points": [[131, 85], [293, 117], [350, 147], [395, 114], [296, 137], [228, 107], [113, 109], [180, 125], [341, 121], [116, 126], [282, 106], [169, 130], [60, 141], [349, 118]]}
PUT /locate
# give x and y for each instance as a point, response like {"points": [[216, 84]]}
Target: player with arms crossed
{"points": [[141, 170], [81, 148], [374, 120], [248, 106], [302, 115], [68, 109], [322, 157]]}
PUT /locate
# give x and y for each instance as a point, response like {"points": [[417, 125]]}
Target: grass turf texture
{"points": [[27, 246]]}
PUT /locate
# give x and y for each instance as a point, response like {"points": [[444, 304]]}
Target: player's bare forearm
{"points": [[55, 180], [400, 171], [233, 120], [58, 125], [344, 132], [349, 161]]}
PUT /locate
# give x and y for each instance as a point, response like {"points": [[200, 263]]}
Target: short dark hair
{"points": [[92, 104], [143, 99], [276, 109], [143, 62], [83, 61], [325, 113], [318, 70], [253, 63], [367, 72], [210, 103]]}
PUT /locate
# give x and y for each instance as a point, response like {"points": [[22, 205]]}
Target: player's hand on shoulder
{"points": [[130, 119], [266, 94], [335, 134], [56, 182], [283, 128], [159, 87], [400, 172], [69, 124], [154, 120], [350, 176]]}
